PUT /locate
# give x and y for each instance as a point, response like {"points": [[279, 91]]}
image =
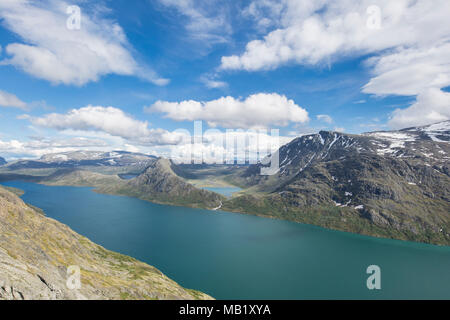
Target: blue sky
{"points": [[135, 72]]}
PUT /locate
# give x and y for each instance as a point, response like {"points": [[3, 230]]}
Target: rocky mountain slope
{"points": [[159, 183], [35, 252], [78, 159], [394, 184]]}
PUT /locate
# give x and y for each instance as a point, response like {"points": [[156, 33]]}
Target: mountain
{"points": [[391, 184], [2, 161], [35, 252], [159, 183], [77, 159], [79, 178]]}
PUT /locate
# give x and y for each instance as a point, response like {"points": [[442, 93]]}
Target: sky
{"points": [[137, 75]]}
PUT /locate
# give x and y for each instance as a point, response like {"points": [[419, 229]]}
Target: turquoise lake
{"points": [[226, 191], [235, 256]]}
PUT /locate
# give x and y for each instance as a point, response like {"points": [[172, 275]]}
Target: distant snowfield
{"points": [[393, 141]]}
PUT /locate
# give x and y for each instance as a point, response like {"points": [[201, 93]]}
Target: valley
{"points": [[386, 184]]}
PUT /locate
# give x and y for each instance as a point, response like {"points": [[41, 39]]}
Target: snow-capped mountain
{"points": [[85, 158], [429, 145], [394, 183], [425, 141]]}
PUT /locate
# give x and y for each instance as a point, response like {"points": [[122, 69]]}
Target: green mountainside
{"points": [[35, 252], [159, 183]]}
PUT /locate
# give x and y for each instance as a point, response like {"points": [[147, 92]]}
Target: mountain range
{"points": [[76, 159], [393, 184]]}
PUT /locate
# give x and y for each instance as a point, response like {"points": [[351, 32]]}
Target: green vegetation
{"points": [[35, 252]]}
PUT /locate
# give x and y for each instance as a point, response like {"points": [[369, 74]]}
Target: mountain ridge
{"points": [[159, 183], [114, 159], [395, 182], [392, 184]]}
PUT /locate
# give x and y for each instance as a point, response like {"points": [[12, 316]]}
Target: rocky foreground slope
{"points": [[35, 252]]}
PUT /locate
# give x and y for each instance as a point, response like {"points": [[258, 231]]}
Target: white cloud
{"points": [[53, 52], [10, 100], [109, 120], [256, 111], [37, 147], [325, 118], [410, 71], [416, 71], [410, 49], [88, 129], [265, 13], [219, 146], [211, 82], [313, 32], [205, 21], [432, 105]]}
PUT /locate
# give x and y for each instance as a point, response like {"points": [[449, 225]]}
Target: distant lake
{"points": [[126, 176], [236, 256], [226, 191]]}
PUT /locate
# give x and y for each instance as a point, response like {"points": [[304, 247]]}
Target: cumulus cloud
{"points": [[265, 13], [319, 31], [53, 52], [408, 41], [37, 147], [217, 146], [109, 120], [416, 71], [10, 100], [256, 111], [432, 105]]}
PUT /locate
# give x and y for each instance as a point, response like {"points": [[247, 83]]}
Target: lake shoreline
{"points": [[237, 252]]}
